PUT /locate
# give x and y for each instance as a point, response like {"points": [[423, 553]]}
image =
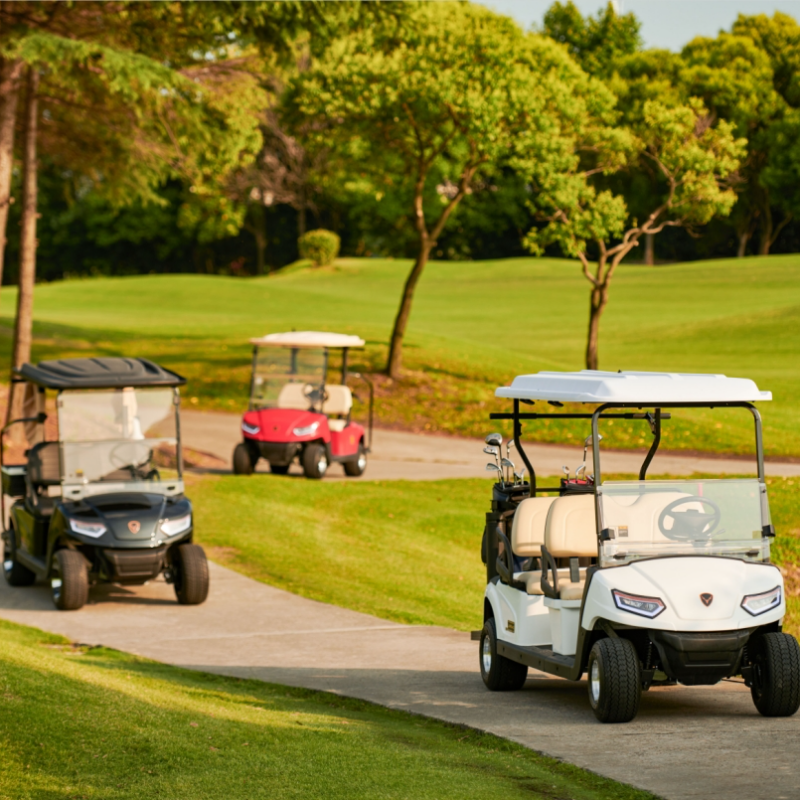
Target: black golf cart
{"points": [[104, 502]]}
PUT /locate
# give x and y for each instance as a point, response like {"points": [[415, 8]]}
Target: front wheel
{"points": [[315, 461], [191, 575], [776, 675], [357, 467], [69, 582], [499, 673], [615, 680], [242, 461], [15, 573]]}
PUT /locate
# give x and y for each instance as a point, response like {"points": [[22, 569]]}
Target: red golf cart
{"points": [[295, 413]]}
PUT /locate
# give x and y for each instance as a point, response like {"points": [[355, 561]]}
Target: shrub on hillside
{"points": [[319, 246]]}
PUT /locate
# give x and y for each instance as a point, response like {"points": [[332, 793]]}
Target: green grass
{"points": [[402, 550], [83, 722], [474, 326]]}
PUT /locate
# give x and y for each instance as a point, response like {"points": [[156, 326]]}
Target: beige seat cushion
{"points": [[337, 425], [571, 591], [570, 530], [292, 395], [533, 580], [527, 529], [338, 399]]}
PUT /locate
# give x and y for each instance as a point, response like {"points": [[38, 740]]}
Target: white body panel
{"points": [[594, 386], [677, 581]]}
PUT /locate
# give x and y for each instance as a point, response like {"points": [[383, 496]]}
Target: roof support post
{"points": [[655, 425], [521, 451]]}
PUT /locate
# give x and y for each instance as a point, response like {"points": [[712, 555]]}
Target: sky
{"points": [[667, 24]]}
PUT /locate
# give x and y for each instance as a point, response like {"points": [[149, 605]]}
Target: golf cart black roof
{"points": [[98, 373]]}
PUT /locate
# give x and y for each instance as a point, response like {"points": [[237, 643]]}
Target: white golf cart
{"points": [[638, 583]]}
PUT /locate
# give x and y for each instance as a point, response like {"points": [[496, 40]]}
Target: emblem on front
{"points": [[707, 599], [134, 526]]}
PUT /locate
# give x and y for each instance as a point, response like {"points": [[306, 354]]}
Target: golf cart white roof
{"points": [[594, 386], [308, 339]]}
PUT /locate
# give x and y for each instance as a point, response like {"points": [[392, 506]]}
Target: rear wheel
{"points": [[776, 675], [69, 582], [278, 469], [242, 460], [615, 680], [315, 461], [357, 467], [15, 573], [191, 575], [499, 673]]}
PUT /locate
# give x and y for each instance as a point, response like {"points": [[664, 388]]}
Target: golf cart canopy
{"points": [[98, 373], [594, 386], [308, 339]]}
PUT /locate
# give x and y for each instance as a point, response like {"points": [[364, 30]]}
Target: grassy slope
{"points": [[406, 551], [98, 723], [474, 325]]}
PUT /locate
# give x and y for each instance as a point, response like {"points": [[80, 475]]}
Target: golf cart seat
{"points": [[293, 395], [44, 469], [338, 400], [570, 532]]}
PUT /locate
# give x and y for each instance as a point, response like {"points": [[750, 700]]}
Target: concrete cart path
{"points": [[687, 743], [398, 455]]}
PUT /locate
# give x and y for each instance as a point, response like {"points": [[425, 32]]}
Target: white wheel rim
{"points": [[486, 655], [362, 461], [594, 682], [322, 464], [8, 565]]}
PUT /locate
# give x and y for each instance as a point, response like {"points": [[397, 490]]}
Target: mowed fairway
{"points": [[99, 724], [474, 325], [402, 550]]}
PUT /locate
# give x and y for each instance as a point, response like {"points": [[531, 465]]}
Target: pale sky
{"points": [[667, 24]]}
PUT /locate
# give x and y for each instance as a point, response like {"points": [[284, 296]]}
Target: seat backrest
{"points": [[44, 468], [292, 395], [527, 529], [571, 530], [338, 399]]}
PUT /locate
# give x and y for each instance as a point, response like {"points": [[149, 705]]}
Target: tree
{"points": [[10, 73], [423, 115], [597, 43], [689, 158]]}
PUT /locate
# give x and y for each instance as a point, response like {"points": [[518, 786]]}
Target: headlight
{"points": [[308, 430], [649, 607], [755, 604], [93, 529], [251, 429], [179, 525]]}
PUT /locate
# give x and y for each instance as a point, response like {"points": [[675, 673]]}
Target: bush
{"points": [[319, 246]]}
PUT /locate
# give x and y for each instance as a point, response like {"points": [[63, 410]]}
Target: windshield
{"points": [[288, 378], [693, 517], [116, 434]]}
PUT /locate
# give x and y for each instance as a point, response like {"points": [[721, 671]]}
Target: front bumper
{"points": [[700, 659], [132, 566]]}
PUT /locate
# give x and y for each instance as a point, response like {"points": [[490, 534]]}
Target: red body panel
{"points": [[278, 424]]}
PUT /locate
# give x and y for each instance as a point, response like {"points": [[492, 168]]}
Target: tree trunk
{"points": [[765, 239], [744, 238], [649, 249], [9, 93], [395, 362], [597, 303], [27, 252], [259, 235]]}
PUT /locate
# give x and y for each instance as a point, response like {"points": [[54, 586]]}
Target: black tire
{"points": [[499, 673], [278, 469], [315, 461], [356, 468], [15, 573], [615, 680], [69, 582], [242, 460], [776, 674], [191, 574]]}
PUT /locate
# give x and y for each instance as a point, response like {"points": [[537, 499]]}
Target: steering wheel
{"points": [[314, 394], [130, 455], [689, 524]]}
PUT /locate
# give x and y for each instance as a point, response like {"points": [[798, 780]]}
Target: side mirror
{"points": [[494, 439]]}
